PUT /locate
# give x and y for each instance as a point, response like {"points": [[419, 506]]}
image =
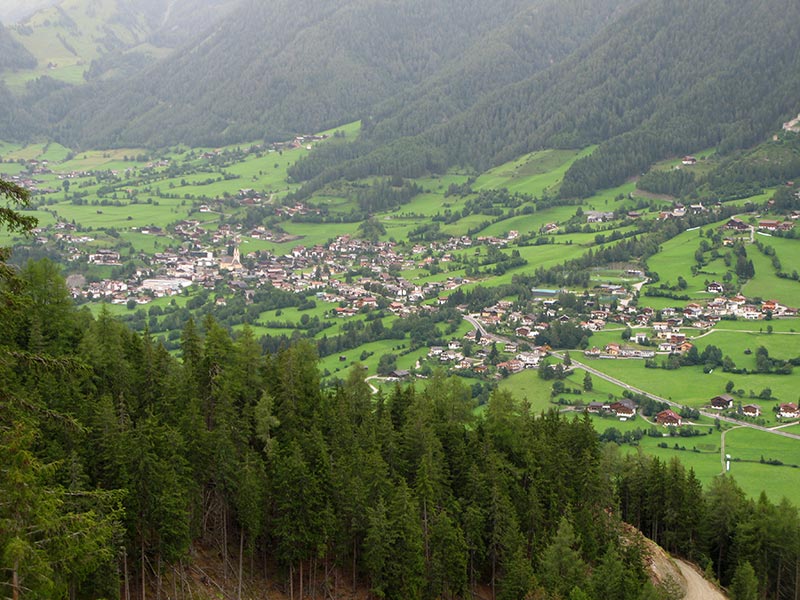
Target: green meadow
{"points": [[766, 284], [692, 387], [533, 173]]}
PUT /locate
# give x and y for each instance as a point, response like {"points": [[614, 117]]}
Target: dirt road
{"points": [[697, 587]]}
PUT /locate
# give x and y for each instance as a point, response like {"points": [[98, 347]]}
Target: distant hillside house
{"points": [[793, 125], [773, 225], [737, 225], [689, 160]]}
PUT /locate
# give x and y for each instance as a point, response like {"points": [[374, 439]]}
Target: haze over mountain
{"points": [[73, 39], [265, 71], [12, 11], [13, 55]]}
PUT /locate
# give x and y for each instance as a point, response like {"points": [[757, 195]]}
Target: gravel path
{"points": [[697, 587]]}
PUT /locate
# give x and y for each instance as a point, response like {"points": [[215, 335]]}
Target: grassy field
{"points": [[533, 173], [766, 283], [675, 260], [692, 387]]}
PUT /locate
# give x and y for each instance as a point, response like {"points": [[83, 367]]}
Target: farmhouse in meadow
{"points": [[624, 409], [788, 411], [723, 402], [751, 410], [669, 418]]}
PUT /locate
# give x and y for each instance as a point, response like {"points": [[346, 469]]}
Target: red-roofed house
{"points": [[669, 418]]}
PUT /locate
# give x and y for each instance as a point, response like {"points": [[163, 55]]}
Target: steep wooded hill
{"points": [[538, 36], [666, 78], [272, 69], [670, 78]]}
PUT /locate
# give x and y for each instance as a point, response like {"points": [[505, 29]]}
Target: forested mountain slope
{"points": [[676, 75], [13, 55], [666, 78], [273, 69], [540, 35]]}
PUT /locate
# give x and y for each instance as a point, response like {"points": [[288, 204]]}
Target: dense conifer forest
{"points": [[119, 458]]}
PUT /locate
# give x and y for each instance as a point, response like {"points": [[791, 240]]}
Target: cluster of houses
{"points": [[738, 225], [322, 268], [786, 410], [625, 409]]}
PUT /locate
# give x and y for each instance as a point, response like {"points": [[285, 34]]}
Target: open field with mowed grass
{"points": [[533, 173], [691, 387], [766, 284]]}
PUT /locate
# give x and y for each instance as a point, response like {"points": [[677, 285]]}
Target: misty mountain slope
{"points": [[12, 11], [13, 55], [270, 70], [74, 39]]}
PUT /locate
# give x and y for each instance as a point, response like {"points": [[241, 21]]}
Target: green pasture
{"points": [[310, 234], [52, 152], [776, 481], [6, 147], [261, 173], [120, 309], [529, 386], [339, 368], [149, 244], [533, 173], [766, 284], [103, 159], [130, 215], [531, 223], [757, 199], [753, 445], [335, 204], [29, 152], [778, 325], [292, 315], [701, 453], [783, 345], [11, 168], [44, 219], [692, 387], [440, 183], [428, 204], [350, 130], [676, 258]]}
